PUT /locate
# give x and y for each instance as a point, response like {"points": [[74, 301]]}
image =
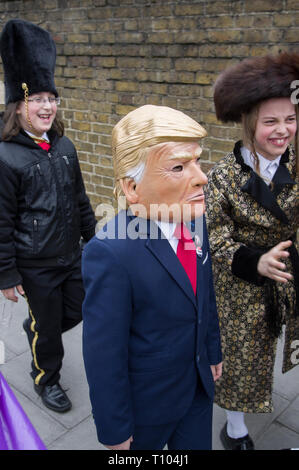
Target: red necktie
{"points": [[186, 253]]}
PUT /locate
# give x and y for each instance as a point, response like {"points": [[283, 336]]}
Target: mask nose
{"points": [[199, 177]]}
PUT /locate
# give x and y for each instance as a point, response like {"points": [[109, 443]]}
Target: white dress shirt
{"points": [[267, 167]]}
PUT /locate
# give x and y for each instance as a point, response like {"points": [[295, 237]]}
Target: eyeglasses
{"points": [[39, 100]]}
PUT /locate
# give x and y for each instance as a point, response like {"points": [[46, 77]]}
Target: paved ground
{"points": [[75, 430]]}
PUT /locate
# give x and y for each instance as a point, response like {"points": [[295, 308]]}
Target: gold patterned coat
{"points": [[245, 219]]}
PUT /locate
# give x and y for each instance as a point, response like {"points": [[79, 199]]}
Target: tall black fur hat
{"points": [[240, 87], [29, 55]]}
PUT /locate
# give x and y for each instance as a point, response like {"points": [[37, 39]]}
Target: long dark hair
{"points": [[11, 123]]}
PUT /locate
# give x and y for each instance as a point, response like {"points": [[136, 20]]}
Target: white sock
{"points": [[236, 426]]}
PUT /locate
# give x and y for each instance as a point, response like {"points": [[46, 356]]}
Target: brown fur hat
{"points": [[242, 86]]}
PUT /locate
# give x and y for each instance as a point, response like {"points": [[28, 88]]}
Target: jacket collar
{"points": [[24, 139], [259, 190]]}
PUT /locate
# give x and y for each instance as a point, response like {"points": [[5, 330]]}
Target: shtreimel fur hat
{"points": [[29, 55], [240, 87]]}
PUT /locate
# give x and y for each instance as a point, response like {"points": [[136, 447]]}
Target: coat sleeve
{"points": [[233, 256], [88, 220], [9, 183], [106, 325]]}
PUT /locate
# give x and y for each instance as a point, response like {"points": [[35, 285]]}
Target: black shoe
{"points": [[54, 397], [242, 443]]}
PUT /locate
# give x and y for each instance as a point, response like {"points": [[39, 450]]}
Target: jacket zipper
{"points": [[66, 159], [67, 162]]}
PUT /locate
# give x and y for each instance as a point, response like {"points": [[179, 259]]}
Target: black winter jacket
{"points": [[44, 208]]}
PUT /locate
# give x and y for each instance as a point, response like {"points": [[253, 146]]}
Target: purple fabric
{"points": [[16, 431]]}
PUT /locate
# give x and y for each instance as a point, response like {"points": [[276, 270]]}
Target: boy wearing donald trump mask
{"points": [[151, 340]]}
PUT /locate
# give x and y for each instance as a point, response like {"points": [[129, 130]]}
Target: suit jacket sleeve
{"points": [[106, 326], [213, 335]]}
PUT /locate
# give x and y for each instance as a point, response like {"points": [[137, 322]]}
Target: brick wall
{"points": [[115, 55]]}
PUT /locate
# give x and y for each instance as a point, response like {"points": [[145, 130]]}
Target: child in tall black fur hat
{"points": [[44, 207], [253, 218]]}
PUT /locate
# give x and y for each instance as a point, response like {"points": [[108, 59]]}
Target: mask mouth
{"points": [[196, 197]]}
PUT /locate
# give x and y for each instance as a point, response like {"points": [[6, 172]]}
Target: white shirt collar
{"points": [[44, 136], [168, 231], [167, 228], [267, 167]]}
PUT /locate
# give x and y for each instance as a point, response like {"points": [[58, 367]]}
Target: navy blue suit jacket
{"points": [[146, 337]]}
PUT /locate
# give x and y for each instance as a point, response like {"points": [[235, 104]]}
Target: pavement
{"points": [[75, 429]]}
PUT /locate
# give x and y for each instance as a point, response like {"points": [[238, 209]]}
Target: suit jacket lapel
{"points": [[159, 246], [162, 250], [196, 228]]}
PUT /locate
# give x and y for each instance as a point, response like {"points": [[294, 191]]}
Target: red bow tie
{"points": [[44, 145]]}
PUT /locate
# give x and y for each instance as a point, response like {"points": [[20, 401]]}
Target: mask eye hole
{"points": [[177, 168]]}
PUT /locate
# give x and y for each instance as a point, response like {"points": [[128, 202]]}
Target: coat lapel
{"points": [[281, 178], [260, 191]]}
